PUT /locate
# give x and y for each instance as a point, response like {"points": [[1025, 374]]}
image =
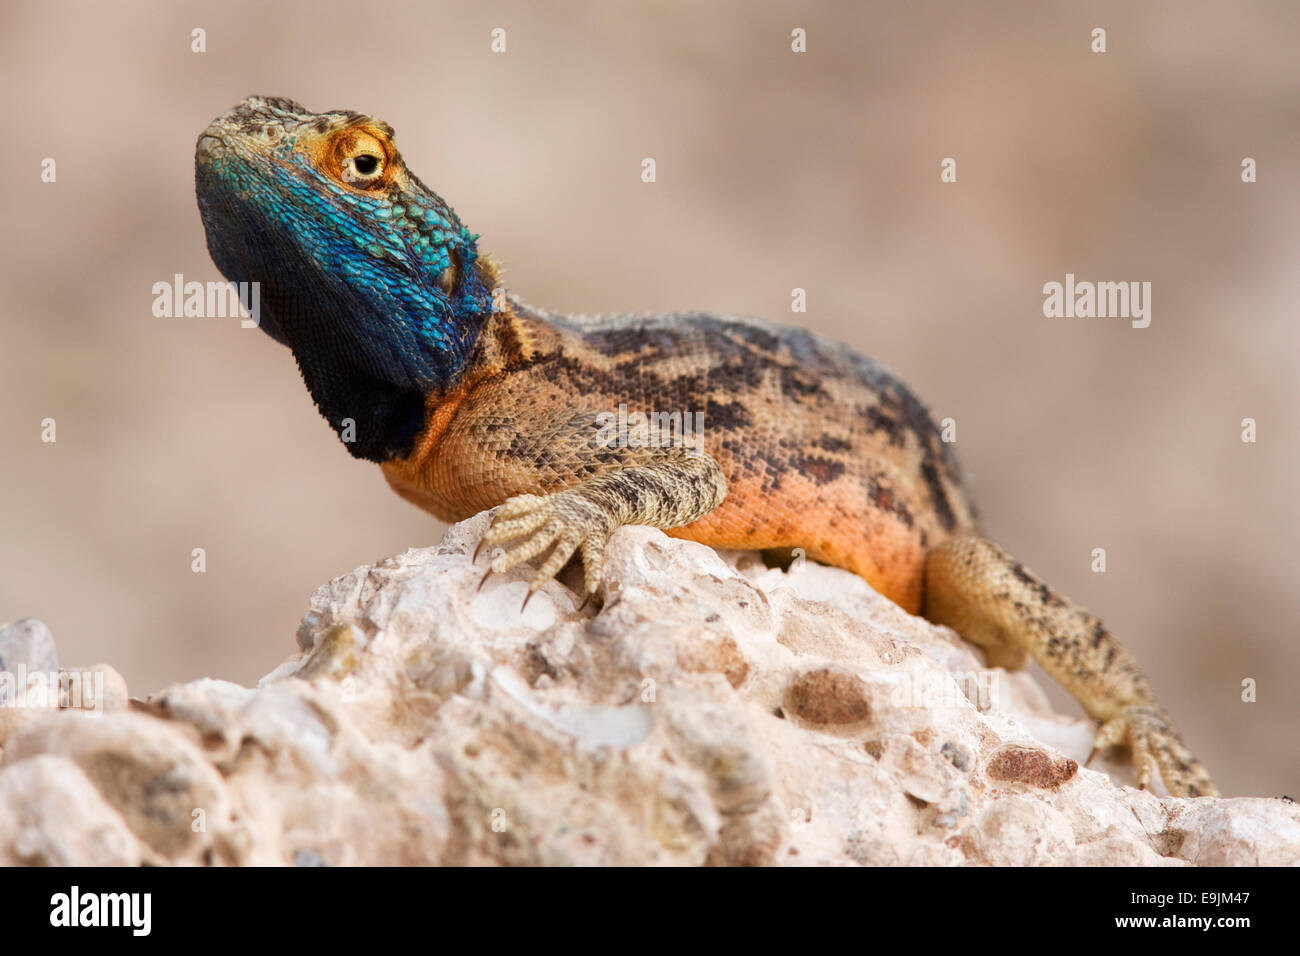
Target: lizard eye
{"points": [[359, 158], [361, 170]]}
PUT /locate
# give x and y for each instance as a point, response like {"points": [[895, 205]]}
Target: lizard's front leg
{"points": [[672, 488], [977, 589]]}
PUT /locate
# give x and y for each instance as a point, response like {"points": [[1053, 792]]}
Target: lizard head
{"points": [[360, 265]]}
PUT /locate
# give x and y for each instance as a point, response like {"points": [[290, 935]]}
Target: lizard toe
{"points": [[563, 522], [517, 523], [565, 545], [593, 564], [516, 506], [537, 542], [1157, 751]]}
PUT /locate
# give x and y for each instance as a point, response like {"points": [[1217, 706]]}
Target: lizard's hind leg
{"points": [[980, 591]]}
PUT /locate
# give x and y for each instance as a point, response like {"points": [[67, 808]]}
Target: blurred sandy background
{"points": [[775, 171]]}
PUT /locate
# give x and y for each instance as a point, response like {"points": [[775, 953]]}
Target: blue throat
{"points": [[381, 296]]}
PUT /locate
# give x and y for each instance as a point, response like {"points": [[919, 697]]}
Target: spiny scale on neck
{"points": [[366, 274]]}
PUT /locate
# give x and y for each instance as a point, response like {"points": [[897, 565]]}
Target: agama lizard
{"points": [[470, 399]]}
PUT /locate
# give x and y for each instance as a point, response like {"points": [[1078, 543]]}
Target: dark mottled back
{"points": [[780, 399]]}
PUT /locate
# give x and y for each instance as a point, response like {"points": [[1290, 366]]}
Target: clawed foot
{"points": [[564, 522], [1157, 750]]}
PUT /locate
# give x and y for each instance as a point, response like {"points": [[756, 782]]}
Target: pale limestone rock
{"points": [[26, 643], [51, 814], [97, 688], [714, 711]]}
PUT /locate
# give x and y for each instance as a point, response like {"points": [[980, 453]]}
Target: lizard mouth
{"points": [[209, 146]]}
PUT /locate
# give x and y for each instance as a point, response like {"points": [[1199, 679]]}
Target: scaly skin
{"points": [[469, 400]]}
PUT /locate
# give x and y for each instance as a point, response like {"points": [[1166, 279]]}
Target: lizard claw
{"points": [[1157, 750], [563, 522]]}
